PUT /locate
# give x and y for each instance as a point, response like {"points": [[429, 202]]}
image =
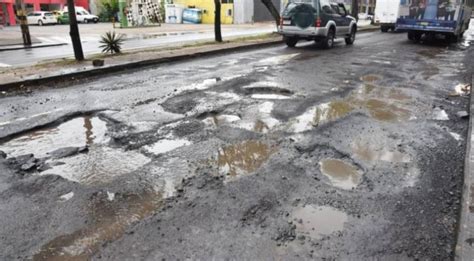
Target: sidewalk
{"points": [[61, 69], [465, 242]]}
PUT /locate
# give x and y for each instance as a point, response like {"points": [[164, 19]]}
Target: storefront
{"points": [[7, 13]]}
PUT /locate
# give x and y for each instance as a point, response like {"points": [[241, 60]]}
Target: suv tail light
{"points": [[318, 22]]}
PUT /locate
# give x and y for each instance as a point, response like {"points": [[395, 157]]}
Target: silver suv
{"points": [[318, 20]]}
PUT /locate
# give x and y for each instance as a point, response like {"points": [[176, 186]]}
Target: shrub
{"points": [[111, 42]]}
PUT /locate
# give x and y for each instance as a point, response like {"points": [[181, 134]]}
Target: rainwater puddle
{"points": [[276, 60], [383, 111], [243, 158], [321, 114], [166, 145], [341, 174], [110, 219], [100, 164], [318, 221], [77, 132], [220, 119], [270, 96], [371, 152]]}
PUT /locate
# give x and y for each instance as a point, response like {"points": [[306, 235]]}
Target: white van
{"points": [[386, 14], [83, 16]]}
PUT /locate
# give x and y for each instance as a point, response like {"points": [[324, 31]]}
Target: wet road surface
{"points": [[91, 44], [351, 153]]}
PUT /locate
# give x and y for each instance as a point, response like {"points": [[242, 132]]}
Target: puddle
{"points": [[77, 132], [331, 111], [461, 90], [279, 59], [166, 145], [110, 219], [371, 152], [270, 96], [341, 174], [439, 114], [219, 119], [100, 164], [243, 158], [383, 111], [320, 114], [318, 221], [369, 78]]}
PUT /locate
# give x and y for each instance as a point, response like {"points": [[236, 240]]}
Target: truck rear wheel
{"points": [[291, 41], [414, 36], [384, 29]]}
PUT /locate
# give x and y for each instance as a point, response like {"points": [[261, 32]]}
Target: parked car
{"points": [[365, 16], [40, 18], [63, 18], [83, 16], [301, 20]]}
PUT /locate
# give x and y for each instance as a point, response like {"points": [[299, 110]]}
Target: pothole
{"points": [[318, 221], [371, 152], [243, 158], [100, 165], [321, 114], [267, 90], [111, 216], [340, 173], [80, 131], [370, 78], [166, 145], [383, 111]]}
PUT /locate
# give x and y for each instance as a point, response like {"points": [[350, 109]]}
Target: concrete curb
{"points": [[465, 238], [19, 47], [132, 65]]}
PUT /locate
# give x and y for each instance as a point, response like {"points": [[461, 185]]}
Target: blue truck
{"points": [[450, 18]]}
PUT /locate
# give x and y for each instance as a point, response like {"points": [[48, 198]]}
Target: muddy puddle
{"points": [[370, 78], [110, 216], [243, 158], [382, 104], [166, 145], [78, 132], [318, 221], [340, 173], [375, 152]]}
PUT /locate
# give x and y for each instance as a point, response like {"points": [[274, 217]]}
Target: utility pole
{"points": [[21, 13], [74, 31]]}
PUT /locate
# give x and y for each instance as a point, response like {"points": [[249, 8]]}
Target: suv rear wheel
{"points": [[291, 41], [352, 36], [328, 42]]}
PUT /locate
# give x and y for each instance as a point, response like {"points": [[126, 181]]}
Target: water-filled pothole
{"points": [[340, 173], [318, 221], [371, 152], [100, 165], [243, 158], [166, 145], [81, 131]]}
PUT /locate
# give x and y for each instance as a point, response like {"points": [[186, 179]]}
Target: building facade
{"points": [[7, 8]]}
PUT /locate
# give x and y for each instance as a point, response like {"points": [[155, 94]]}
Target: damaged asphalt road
{"points": [[350, 153]]}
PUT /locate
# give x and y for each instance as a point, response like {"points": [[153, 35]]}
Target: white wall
{"points": [[243, 11]]}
